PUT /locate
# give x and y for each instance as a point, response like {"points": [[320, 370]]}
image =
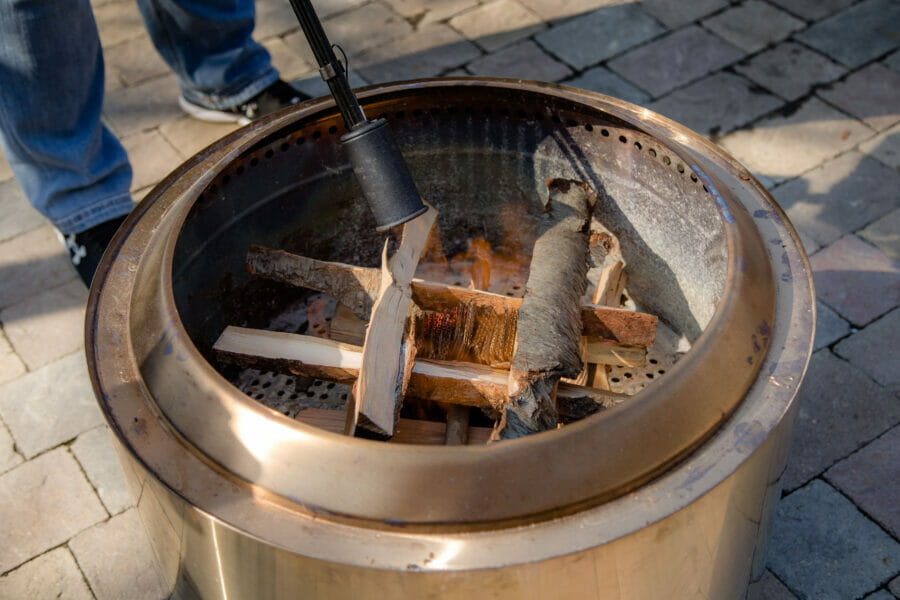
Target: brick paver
{"points": [[675, 59], [871, 478], [846, 554], [497, 24], [874, 350], [47, 326], [803, 92], [858, 34], [717, 104], [16, 215], [885, 234], [601, 79], [753, 25], [49, 406], [869, 94], [588, 39], [51, 575], [114, 556], [839, 197], [856, 279], [525, 60], [840, 410], [790, 69], [44, 502], [788, 145]]}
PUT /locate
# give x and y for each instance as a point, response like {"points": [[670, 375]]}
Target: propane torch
{"points": [[379, 167]]}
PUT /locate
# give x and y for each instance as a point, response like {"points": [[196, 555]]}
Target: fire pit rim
{"points": [[221, 153]]}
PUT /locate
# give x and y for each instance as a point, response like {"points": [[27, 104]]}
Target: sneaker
{"points": [[275, 97], [86, 248]]}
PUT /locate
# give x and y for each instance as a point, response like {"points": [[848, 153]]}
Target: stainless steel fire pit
{"points": [[668, 495]]}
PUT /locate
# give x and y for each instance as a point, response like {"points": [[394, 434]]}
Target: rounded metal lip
{"points": [[436, 471]]}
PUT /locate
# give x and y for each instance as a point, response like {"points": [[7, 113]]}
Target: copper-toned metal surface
{"points": [[666, 495]]}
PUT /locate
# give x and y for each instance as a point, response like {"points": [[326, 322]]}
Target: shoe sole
{"points": [[210, 115]]}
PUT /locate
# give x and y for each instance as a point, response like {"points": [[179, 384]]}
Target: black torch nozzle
{"points": [[379, 167]]}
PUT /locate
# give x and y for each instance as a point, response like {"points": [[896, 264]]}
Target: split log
{"points": [[599, 322], [549, 320], [355, 287], [388, 350], [457, 432], [460, 383]]}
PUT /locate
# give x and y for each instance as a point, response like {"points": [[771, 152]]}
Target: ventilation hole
{"points": [[627, 375], [226, 179], [623, 139], [280, 393], [615, 380], [662, 371], [667, 160], [693, 178], [649, 375], [509, 293], [289, 382], [705, 190], [269, 153], [254, 161], [399, 114], [300, 140], [285, 147], [332, 130], [310, 394], [680, 168], [317, 382], [652, 152], [516, 287], [240, 170], [589, 127], [417, 113], [330, 385], [266, 384], [316, 134], [292, 397], [260, 396], [323, 396], [571, 123], [638, 145], [604, 132], [254, 382], [343, 396], [653, 361]]}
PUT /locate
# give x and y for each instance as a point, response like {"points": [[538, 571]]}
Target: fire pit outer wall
{"points": [[669, 495]]}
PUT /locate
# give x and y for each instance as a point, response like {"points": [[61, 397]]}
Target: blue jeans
{"points": [[72, 169]]}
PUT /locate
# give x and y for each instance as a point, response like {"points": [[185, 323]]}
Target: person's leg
{"points": [[208, 45], [72, 169]]}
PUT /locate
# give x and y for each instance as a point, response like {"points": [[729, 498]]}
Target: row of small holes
{"points": [[450, 111]]}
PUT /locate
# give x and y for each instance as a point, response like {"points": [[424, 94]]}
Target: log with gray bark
{"points": [[549, 325]]}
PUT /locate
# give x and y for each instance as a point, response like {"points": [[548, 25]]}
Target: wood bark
{"points": [[549, 320]]}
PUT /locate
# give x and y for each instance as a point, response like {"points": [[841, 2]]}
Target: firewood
{"points": [[355, 287], [549, 320], [388, 350], [461, 383], [347, 327], [599, 322], [457, 432]]}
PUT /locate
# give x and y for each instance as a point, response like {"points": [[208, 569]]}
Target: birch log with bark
{"points": [[549, 320]]}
